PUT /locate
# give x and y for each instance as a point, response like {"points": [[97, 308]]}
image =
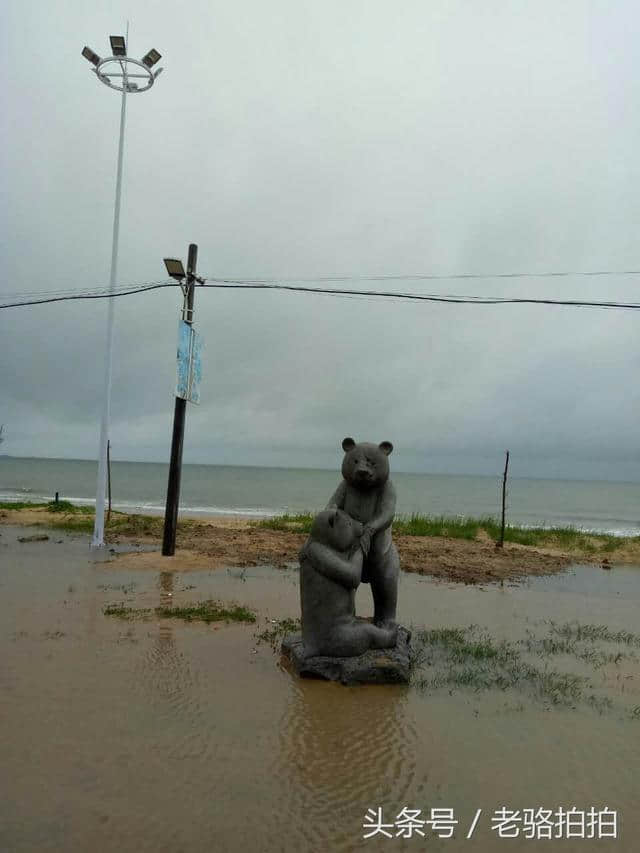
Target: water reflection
{"points": [[165, 584], [343, 750], [164, 672]]}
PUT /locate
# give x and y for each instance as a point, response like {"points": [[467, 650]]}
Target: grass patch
{"points": [[575, 631], [68, 507], [81, 518], [208, 611], [124, 524], [423, 525], [20, 505], [73, 524], [278, 629], [124, 612], [299, 523], [574, 646], [565, 538], [600, 703], [201, 611], [470, 658], [51, 506]]}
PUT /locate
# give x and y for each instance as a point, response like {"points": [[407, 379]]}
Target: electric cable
{"points": [[44, 297]]}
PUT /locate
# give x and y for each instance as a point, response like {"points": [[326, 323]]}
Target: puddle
{"points": [[165, 736]]}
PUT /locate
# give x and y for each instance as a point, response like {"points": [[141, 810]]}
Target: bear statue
{"points": [[330, 570], [367, 495]]}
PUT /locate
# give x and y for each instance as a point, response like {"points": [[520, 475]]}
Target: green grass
{"points": [[300, 523], [470, 658], [124, 612], [423, 525], [275, 634], [80, 518], [464, 645], [575, 646], [68, 507], [20, 505], [576, 631], [76, 524], [201, 611], [567, 538], [122, 523], [208, 611], [51, 506]]}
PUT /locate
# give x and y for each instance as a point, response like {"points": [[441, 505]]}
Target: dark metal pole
{"points": [[109, 479], [177, 439], [500, 544]]}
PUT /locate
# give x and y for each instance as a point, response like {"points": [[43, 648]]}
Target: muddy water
{"points": [[165, 736]]}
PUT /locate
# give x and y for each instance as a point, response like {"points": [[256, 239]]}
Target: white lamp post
{"points": [[129, 76]]}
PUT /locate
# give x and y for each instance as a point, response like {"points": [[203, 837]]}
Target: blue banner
{"points": [[189, 363]]}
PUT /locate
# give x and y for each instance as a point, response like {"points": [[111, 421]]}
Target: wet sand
{"points": [[165, 736]]}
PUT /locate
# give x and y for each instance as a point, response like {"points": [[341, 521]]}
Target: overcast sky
{"points": [[300, 138]]}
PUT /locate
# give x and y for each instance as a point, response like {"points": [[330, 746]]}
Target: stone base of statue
{"points": [[377, 666]]}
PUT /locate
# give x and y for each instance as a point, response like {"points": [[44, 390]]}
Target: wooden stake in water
{"points": [[500, 544]]}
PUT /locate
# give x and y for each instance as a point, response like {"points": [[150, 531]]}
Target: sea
{"points": [[224, 490]]}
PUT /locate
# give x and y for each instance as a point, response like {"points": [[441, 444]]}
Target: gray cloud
{"points": [[322, 139]]}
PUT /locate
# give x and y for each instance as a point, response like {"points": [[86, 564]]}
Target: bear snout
{"points": [[364, 474]]}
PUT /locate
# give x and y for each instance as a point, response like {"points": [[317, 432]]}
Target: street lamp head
{"points": [[175, 268], [116, 71], [93, 58], [151, 58], [118, 45]]}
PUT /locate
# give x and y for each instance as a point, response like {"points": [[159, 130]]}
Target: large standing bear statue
{"points": [[367, 495]]}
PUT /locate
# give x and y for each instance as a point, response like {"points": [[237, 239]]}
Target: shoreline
{"points": [[231, 515]]}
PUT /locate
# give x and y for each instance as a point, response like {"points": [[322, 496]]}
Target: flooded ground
{"points": [[160, 735]]}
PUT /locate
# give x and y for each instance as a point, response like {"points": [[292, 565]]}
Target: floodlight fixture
{"points": [[175, 268], [118, 45], [150, 59], [93, 58]]}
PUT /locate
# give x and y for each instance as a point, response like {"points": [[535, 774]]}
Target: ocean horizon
{"points": [[253, 491], [314, 468]]}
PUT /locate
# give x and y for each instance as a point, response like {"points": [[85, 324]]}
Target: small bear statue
{"points": [[330, 569], [367, 495]]}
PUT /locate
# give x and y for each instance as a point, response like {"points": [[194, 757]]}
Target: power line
{"points": [[44, 297], [429, 276], [97, 293], [431, 297]]}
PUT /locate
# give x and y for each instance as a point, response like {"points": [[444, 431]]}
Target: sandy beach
{"points": [[215, 542]]}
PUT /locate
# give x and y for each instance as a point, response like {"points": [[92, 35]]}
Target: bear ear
{"points": [[348, 444], [386, 447]]}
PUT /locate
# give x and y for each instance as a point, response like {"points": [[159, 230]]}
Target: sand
{"points": [[216, 542]]}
